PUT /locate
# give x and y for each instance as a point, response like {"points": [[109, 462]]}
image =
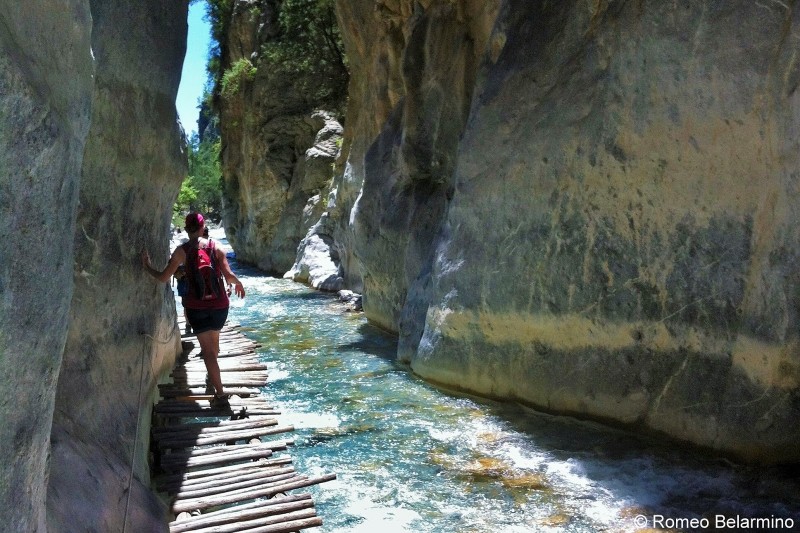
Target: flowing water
{"points": [[410, 457]]}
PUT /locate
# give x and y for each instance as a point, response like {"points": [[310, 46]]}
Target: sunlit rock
{"points": [[278, 147], [91, 163], [622, 241], [589, 208]]}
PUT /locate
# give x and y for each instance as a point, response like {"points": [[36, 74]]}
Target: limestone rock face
{"points": [[122, 332], [84, 493], [276, 154], [45, 103], [623, 237], [413, 70], [317, 262], [590, 208]]}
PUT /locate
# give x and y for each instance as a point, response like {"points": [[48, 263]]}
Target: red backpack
{"points": [[202, 272]]}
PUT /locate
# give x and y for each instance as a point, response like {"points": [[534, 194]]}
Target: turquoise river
{"points": [[413, 458]]}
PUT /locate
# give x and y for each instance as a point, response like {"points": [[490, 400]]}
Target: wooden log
{"points": [[198, 381], [217, 459], [227, 336], [261, 509], [241, 412], [277, 500], [228, 324], [236, 338], [229, 477], [265, 475], [182, 457], [286, 527], [235, 401], [227, 372], [246, 363], [234, 365], [208, 428], [217, 438], [239, 349], [294, 479], [173, 404], [232, 373], [222, 436], [233, 344], [274, 520], [195, 459], [236, 486], [234, 353], [225, 477], [224, 366], [224, 332], [232, 378], [185, 392], [230, 360], [224, 336], [217, 450], [205, 503], [232, 398], [243, 357], [209, 473]]}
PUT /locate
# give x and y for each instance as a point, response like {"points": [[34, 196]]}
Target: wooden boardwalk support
{"points": [[219, 466]]}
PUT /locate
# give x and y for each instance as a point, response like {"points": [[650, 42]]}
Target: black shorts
{"points": [[203, 320]]}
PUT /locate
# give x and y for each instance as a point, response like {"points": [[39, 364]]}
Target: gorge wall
{"points": [[622, 241], [91, 160], [277, 151], [588, 207], [43, 129]]}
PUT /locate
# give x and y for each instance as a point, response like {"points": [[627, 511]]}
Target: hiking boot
{"points": [[220, 401]]}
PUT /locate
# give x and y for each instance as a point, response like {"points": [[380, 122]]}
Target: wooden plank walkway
{"points": [[220, 472]]}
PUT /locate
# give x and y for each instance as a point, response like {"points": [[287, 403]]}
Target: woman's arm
{"points": [[176, 260], [230, 277]]}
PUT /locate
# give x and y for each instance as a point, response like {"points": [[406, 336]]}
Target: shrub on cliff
{"points": [[307, 52], [232, 80]]}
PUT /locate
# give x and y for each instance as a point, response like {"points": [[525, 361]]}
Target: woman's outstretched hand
{"points": [[238, 288]]}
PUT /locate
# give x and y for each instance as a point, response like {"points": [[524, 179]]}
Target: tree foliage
{"points": [[304, 51], [218, 14], [202, 189], [240, 72], [308, 51]]}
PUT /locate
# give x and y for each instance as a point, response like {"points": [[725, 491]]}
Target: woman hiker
{"points": [[207, 301], [180, 276]]}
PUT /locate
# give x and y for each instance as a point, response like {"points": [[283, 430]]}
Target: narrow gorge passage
{"points": [[410, 457]]}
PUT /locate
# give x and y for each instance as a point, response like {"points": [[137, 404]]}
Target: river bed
{"points": [[412, 458]]}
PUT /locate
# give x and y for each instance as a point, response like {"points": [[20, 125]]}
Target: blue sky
{"points": [[193, 77]]}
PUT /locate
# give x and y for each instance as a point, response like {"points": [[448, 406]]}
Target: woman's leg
{"points": [[209, 349]]}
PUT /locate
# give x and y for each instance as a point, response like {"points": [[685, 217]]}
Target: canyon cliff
{"points": [[278, 144], [92, 159], [590, 208]]}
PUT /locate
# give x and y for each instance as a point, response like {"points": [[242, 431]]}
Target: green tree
{"points": [[308, 50], [202, 189], [186, 196], [304, 51], [206, 176]]}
